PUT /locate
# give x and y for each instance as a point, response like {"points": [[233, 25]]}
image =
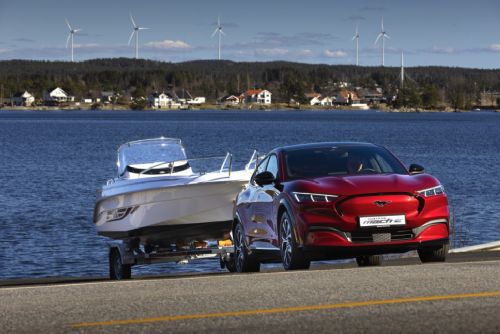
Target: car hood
{"points": [[364, 184]]}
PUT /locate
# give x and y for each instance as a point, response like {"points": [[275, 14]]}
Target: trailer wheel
{"points": [[118, 270]]}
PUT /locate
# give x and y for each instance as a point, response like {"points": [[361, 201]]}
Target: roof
{"points": [[312, 95], [325, 144]]}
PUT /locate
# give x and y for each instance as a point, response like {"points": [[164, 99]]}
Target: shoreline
{"points": [[212, 107]]}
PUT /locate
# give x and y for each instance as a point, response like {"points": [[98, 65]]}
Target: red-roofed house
{"points": [[347, 97], [261, 96]]}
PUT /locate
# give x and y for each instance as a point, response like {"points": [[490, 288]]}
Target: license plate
{"points": [[378, 221]]}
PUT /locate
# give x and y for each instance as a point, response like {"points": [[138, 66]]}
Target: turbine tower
{"points": [[135, 31], [356, 37], [219, 31], [402, 74], [71, 34], [382, 35]]}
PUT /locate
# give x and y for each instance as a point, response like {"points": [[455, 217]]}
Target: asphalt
{"points": [[461, 295]]}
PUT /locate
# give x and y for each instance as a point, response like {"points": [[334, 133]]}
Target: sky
{"points": [[444, 33]]}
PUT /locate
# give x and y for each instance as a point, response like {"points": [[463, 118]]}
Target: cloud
{"points": [[305, 53], [442, 50], [372, 8], [356, 18], [494, 47], [273, 52], [335, 54], [23, 40], [168, 45]]}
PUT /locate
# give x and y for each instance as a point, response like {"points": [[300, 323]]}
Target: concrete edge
{"points": [[489, 246]]}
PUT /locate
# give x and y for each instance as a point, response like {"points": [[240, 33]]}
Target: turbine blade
{"points": [[143, 28], [222, 32], [131, 35], [387, 36], [67, 23], [132, 19], [378, 37], [215, 31], [77, 30], [67, 40], [382, 24]]}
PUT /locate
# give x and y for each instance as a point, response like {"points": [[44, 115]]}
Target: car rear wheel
{"points": [[291, 255], [244, 261], [118, 270], [369, 260], [433, 254]]}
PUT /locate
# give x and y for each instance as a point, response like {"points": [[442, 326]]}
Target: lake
{"points": [[53, 163]]}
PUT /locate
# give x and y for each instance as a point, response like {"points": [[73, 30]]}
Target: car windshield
{"points": [[340, 160]]}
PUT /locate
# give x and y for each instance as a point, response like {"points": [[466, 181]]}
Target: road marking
{"points": [[284, 309]]}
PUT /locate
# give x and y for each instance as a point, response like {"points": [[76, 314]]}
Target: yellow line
{"points": [[285, 309]]}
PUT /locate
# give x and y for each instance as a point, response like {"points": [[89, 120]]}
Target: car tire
{"points": [[433, 254], [369, 260], [118, 270], [292, 257], [243, 260]]}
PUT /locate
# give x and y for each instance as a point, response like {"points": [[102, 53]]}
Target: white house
{"points": [[261, 96], [314, 99], [347, 97], [197, 100], [160, 100], [326, 101], [23, 99], [230, 100], [58, 95]]}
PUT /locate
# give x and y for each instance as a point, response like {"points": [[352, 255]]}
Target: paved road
{"points": [[453, 297]]}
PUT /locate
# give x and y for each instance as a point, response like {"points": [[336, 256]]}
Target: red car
{"points": [[338, 200]]}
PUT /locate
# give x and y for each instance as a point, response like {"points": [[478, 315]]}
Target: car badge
{"points": [[381, 204]]}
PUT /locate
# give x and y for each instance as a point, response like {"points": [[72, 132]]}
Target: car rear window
{"points": [[335, 161]]}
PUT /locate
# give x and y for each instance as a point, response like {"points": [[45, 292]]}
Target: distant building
{"points": [[347, 97], [326, 101], [108, 96], [314, 98], [260, 96], [160, 100], [181, 96], [372, 96], [230, 100], [23, 99], [58, 95], [197, 100]]}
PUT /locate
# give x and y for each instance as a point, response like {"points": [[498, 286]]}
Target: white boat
{"points": [[158, 200]]}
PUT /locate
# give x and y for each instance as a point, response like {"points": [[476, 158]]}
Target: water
{"points": [[52, 164]]}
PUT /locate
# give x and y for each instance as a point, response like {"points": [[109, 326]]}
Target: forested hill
{"points": [[212, 78]]}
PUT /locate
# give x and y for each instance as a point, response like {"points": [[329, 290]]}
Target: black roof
{"points": [[324, 144]]}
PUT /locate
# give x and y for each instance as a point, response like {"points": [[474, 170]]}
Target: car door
{"points": [[247, 200], [263, 216]]}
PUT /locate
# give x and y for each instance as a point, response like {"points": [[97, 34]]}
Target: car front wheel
{"points": [[291, 255], [244, 261], [433, 254]]}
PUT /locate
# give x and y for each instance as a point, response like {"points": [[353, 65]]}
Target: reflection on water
{"points": [[53, 163]]}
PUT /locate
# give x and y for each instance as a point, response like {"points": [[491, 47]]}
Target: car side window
{"points": [[272, 165]]}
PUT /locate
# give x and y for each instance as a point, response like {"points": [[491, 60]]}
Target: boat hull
{"points": [[159, 213]]}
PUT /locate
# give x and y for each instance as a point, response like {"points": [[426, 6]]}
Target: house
{"points": [[260, 96], [347, 97], [23, 99], [197, 100], [230, 100], [160, 100], [108, 96], [371, 95], [58, 95], [326, 101], [314, 98]]}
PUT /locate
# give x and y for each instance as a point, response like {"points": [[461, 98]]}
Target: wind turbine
{"points": [[382, 35], [219, 31], [71, 34], [135, 31], [356, 37]]}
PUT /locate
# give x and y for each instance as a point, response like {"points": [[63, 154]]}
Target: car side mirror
{"points": [[416, 169], [264, 178]]}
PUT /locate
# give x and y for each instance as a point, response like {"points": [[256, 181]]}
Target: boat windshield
{"points": [[149, 152]]}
